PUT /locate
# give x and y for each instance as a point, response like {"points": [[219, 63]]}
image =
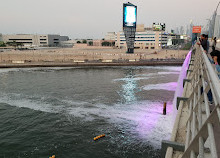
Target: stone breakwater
{"points": [[89, 57]]}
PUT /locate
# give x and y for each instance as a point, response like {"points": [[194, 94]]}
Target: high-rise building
{"points": [[181, 30], [217, 27], [212, 25], [1, 37]]}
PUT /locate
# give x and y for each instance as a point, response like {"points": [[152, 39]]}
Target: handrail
{"points": [[204, 120]]}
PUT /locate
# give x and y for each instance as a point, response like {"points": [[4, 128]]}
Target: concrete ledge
{"points": [[78, 61], [18, 61], [107, 61]]}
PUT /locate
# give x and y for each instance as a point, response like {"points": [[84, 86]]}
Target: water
{"points": [[182, 76], [46, 111]]}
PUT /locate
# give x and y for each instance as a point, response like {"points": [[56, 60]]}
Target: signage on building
{"points": [[197, 29], [159, 26], [129, 15]]}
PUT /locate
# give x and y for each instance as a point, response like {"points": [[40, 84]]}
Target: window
{"points": [[20, 39], [144, 40]]}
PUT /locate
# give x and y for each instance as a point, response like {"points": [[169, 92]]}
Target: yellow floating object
{"points": [[100, 136]]}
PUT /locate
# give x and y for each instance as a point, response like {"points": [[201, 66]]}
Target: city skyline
{"points": [[93, 19]]}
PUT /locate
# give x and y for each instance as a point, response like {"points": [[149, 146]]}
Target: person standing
{"points": [[213, 44], [203, 42], [208, 44]]}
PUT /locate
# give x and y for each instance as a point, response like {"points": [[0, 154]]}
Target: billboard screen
{"points": [[130, 15], [159, 26], [197, 29]]}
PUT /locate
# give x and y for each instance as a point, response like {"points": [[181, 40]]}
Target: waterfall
{"points": [[182, 76]]}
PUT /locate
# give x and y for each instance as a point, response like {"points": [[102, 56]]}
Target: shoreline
{"points": [[91, 64]]}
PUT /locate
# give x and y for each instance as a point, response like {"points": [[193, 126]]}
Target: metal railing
{"points": [[203, 134]]}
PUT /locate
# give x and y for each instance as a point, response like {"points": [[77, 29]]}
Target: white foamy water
{"points": [[171, 86], [170, 68], [143, 118], [147, 76]]}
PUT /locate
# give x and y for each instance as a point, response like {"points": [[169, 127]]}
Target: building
{"points": [[144, 39], [217, 27], [100, 43], [1, 37], [36, 40], [67, 44], [110, 36]]}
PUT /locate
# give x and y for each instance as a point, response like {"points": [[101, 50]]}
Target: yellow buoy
{"points": [[100, 136]]}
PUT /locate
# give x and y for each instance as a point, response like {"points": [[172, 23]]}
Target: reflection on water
{"points": [[129, 87]]}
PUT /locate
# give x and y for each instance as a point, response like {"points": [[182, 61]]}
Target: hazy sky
{"points": [[94, 18]]}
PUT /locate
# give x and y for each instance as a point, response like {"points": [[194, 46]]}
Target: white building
{"points": [[36, 40], [110, 36], [144, 39]]}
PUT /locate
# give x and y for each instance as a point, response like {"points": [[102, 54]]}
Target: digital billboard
{"points": [[159, 26], [129, 15]]}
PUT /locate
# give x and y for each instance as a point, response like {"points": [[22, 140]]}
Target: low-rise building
{"points": [[36, 40], [110, 36], [100, 43]]}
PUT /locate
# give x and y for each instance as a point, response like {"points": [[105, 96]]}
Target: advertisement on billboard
{"points": [[129, 15], [197, 29], [159, 26]]}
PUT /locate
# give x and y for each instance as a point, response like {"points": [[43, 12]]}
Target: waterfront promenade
{"points": [[89, 57]]}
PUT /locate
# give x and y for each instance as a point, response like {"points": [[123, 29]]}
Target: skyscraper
{"points": [[0, 37], [217, 27], [212, 25]]}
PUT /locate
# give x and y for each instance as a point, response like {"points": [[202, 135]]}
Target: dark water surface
{"points": [[58, 111]]}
